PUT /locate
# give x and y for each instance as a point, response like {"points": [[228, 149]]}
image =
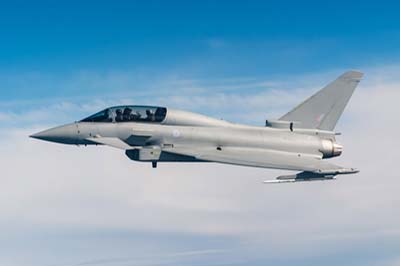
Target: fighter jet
{"points": [[301, 140]]}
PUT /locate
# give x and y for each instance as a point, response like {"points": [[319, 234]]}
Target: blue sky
{"points": [[244, 61], [48, 42]]}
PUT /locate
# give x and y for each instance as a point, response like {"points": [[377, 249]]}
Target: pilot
{"points": [[127, 114], [150, 115], [118, 117], [107, 117]]}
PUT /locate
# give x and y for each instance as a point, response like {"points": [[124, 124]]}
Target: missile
{"points": [[295, 180], [301, 177]]}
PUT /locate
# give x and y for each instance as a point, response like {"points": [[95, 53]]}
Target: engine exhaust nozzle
{"points": [[331, 149]]}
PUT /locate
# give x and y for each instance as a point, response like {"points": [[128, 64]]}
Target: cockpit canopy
{"points": [[129, 113]]}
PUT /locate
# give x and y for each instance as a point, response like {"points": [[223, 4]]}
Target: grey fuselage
{"points": [[186, 129]]}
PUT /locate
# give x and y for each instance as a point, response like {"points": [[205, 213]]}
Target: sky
{"points": [[244, 61]]}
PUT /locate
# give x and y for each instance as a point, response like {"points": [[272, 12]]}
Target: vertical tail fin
{"points": [[323, 109]]}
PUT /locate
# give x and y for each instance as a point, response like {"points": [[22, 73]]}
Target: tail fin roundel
{"points": [[324, 108]]}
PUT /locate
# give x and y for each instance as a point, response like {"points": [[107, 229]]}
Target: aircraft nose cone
{"points": [[63, 134]]}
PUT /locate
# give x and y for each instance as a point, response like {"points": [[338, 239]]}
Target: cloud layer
{"points": [[65, 205]]}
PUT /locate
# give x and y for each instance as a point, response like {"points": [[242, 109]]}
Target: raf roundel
{"points": [[176, 133]]}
